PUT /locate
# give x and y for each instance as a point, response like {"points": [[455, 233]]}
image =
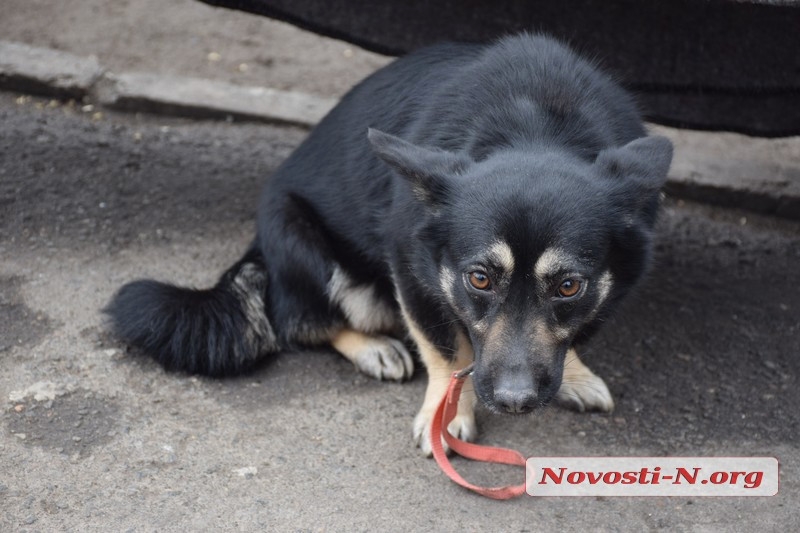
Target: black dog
{"points": [[506, 209]]}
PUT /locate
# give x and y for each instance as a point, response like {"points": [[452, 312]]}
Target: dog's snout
{"points": [[517, 390], [516, 401]]}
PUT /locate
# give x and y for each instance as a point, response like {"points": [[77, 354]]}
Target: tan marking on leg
{"points": [[378, 356], [581, 389], [359, 303], [439, 371]]}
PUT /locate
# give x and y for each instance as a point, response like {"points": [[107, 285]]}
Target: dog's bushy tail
{"points": [[219, 331]]}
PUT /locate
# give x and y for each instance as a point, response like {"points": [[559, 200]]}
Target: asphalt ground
{"points": [[702, 361]]}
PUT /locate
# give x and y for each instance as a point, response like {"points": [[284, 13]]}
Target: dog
{"points": [[493, 202]]}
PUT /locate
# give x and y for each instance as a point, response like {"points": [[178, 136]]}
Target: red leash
{"points": [[447, 410]]}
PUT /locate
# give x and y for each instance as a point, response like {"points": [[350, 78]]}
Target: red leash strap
{"points": [[447, 410]]}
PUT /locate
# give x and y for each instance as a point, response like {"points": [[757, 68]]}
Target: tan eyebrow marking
{"points": [[501, 253], [551, 261]]}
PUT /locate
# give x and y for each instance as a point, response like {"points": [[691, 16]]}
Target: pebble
{"points": [[246, 472]]}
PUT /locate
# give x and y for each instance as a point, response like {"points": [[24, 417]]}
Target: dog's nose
{"points": [[513, 401]]}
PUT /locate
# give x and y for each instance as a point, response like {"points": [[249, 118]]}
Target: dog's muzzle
{"points": [[516, 392]]}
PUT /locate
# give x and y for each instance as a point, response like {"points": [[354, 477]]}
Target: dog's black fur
{"points": [[519, 142]]}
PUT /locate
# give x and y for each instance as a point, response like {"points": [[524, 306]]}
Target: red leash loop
{"points": [[445, 413]]}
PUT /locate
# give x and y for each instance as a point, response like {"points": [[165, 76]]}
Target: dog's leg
{"points": [[581, 389], [378, 356], [440, 369]]}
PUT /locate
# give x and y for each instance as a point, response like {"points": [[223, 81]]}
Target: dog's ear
{"points": [[429, 171], [637, 170], [643, 162]]}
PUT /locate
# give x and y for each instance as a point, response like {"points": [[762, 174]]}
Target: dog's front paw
{"points": [[386, 358], [377, 356], [585, 391], [462, 426]]}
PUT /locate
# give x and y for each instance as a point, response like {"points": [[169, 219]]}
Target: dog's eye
{"points": [[479, 280], [569, 288]]}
